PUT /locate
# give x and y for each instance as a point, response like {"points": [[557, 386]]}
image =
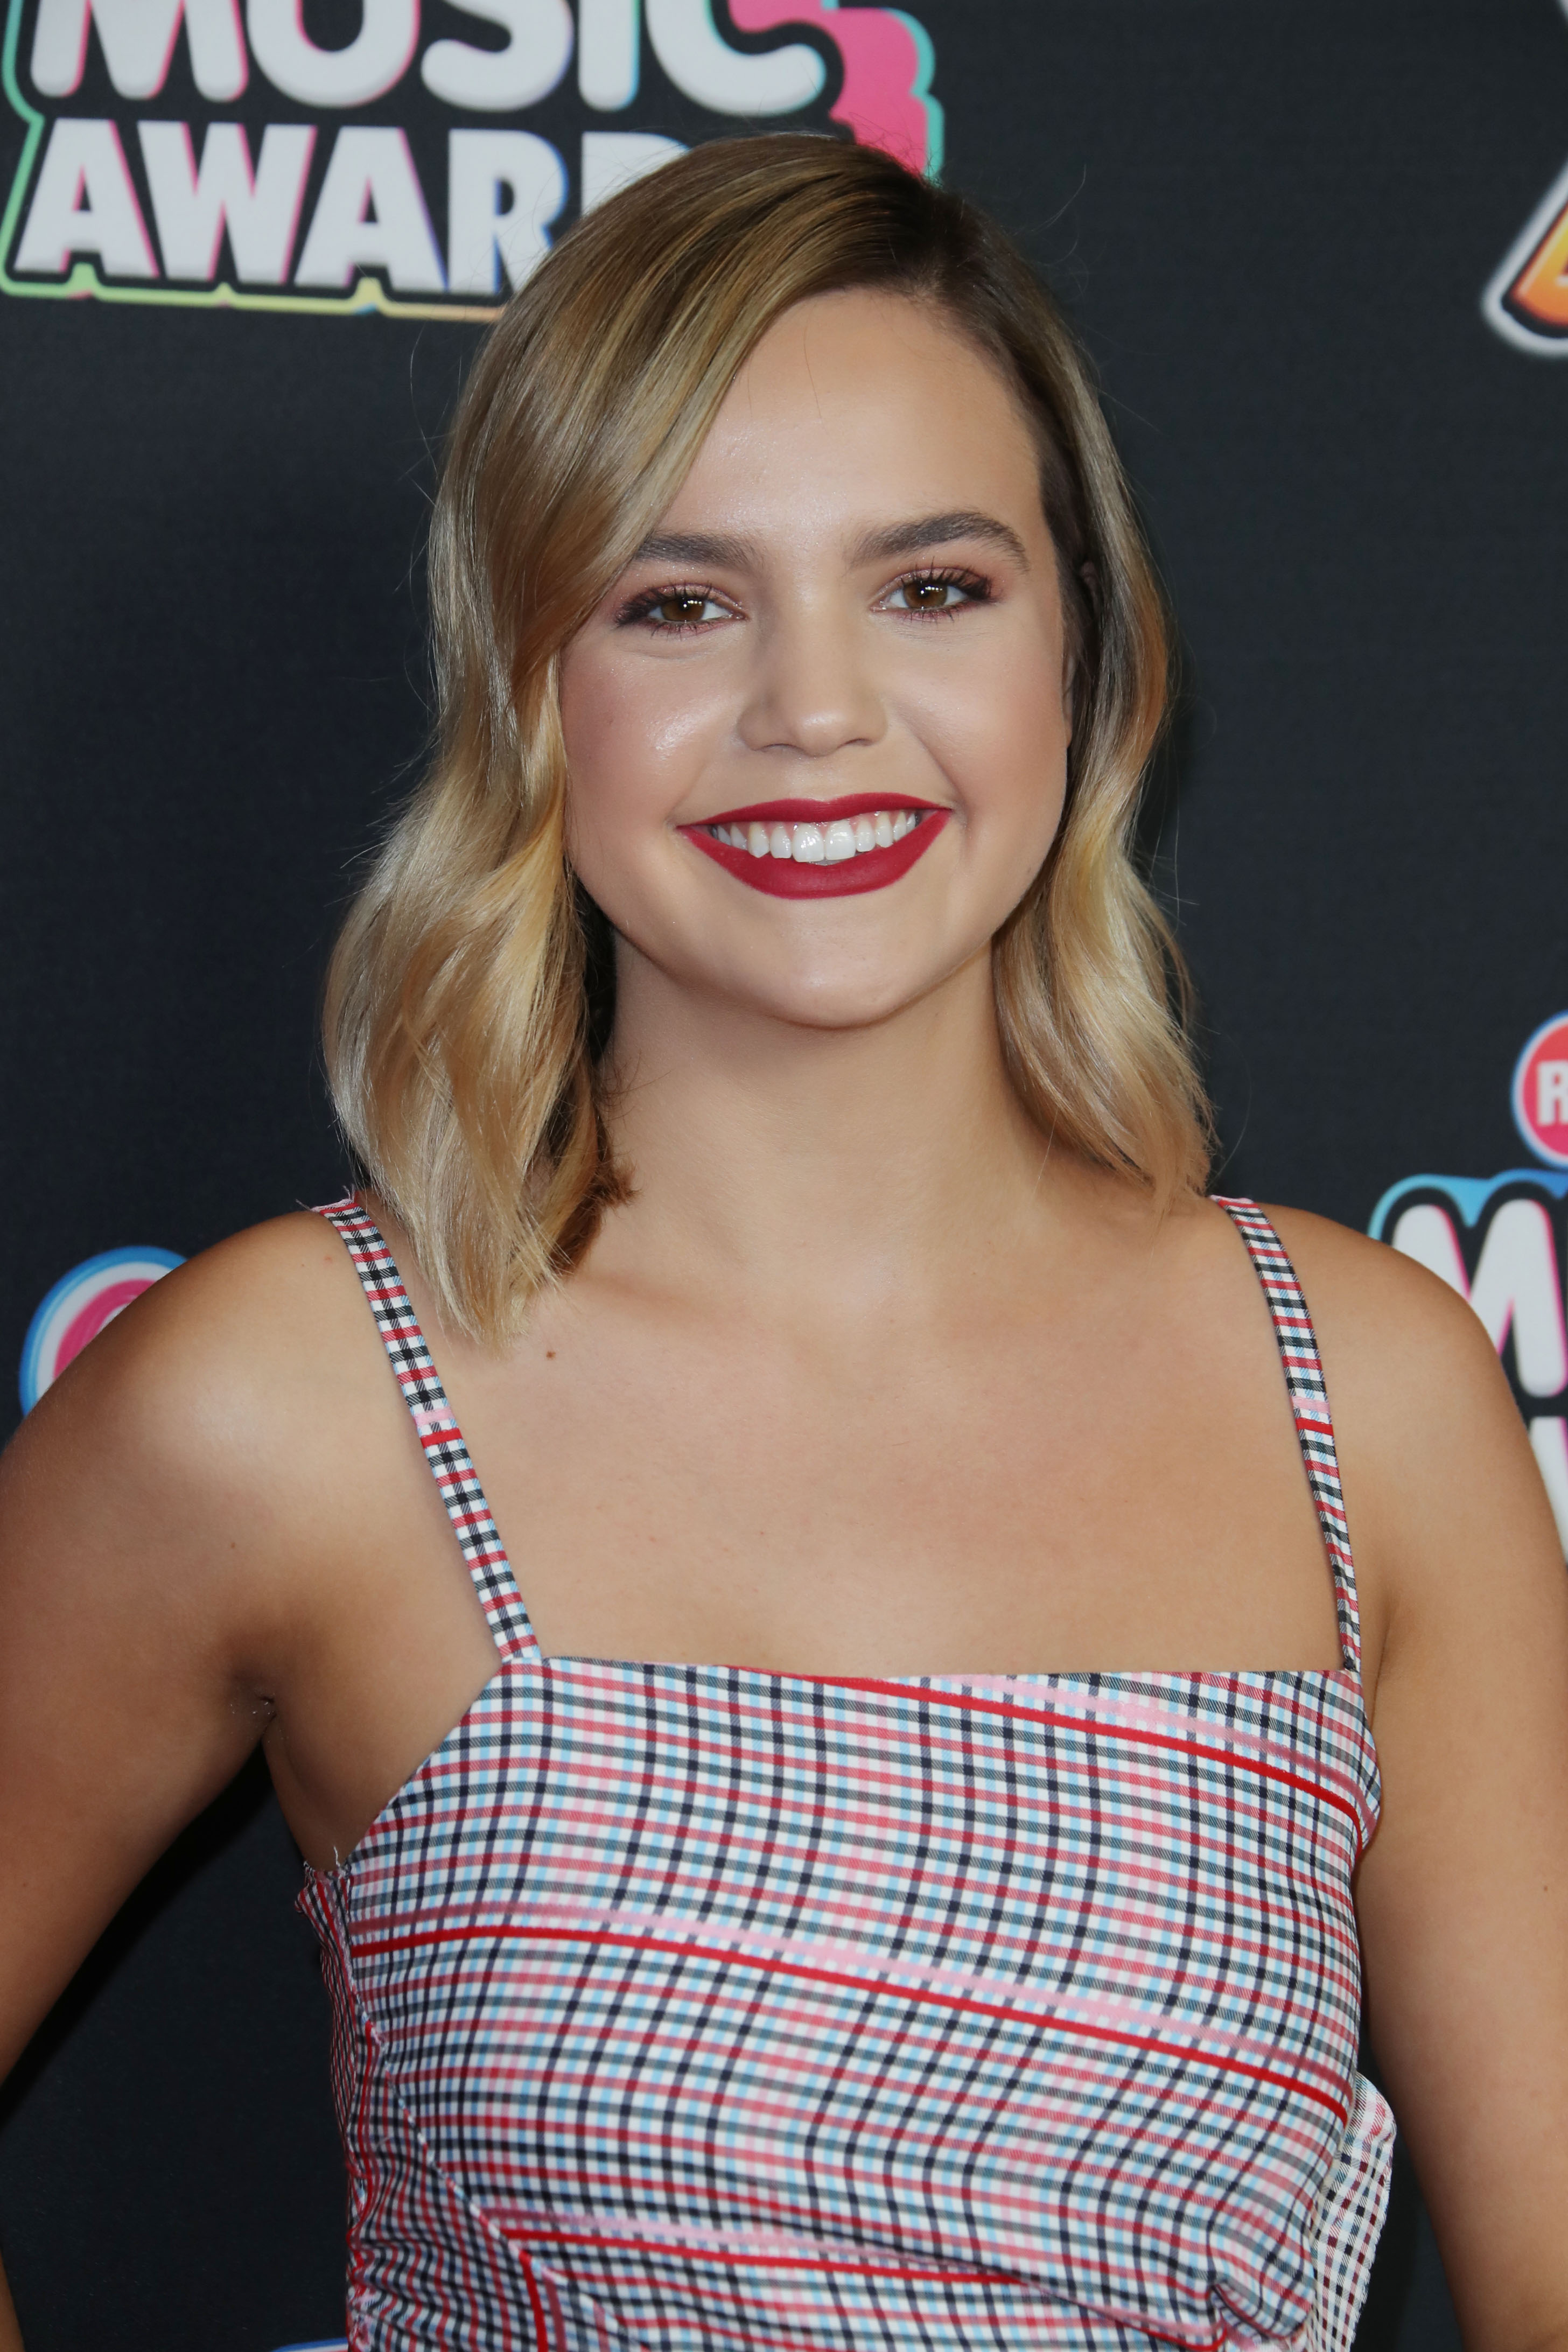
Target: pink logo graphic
{"points": [[78, 1309], [888, 60], [1541, 1092]]}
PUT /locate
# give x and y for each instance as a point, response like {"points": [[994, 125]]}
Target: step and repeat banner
{"points": [[1320, 253]]}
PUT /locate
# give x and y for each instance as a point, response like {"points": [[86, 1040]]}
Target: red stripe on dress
{"points": [[960, 2004], [655, 2249], [1092, 1724]]}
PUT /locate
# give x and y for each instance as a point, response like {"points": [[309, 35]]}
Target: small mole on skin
{"points": [[550, 1355]]}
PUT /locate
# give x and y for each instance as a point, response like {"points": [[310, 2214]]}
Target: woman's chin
{"points": [[835, 1002]]}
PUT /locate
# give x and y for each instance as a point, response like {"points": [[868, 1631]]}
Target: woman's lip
{"points": [[781, 878], [813, 812]]}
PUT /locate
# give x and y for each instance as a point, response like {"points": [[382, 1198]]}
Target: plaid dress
{"points": [[687, 2007]]}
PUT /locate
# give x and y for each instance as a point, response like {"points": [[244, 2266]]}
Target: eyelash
{"points": [[975, 586], [640, 610]]}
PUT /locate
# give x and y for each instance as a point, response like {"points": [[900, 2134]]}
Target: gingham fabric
{"points": [[687, 2007]]}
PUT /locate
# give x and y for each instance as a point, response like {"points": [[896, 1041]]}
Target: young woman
{"points": [[894, 1833]]}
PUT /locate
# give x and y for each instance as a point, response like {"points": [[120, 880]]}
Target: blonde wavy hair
{"points": [[465, 1000]]}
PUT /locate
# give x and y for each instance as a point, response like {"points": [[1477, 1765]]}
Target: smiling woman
{"points": [[600, 416], [799, 841], [902, 1878]]}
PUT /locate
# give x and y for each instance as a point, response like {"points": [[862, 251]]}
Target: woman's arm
{"points": [[124, 1605], [10, 2334], [152, 1556], [1463, 1894]]}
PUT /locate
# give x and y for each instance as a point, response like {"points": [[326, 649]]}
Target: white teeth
{"points": [[820, 845]]}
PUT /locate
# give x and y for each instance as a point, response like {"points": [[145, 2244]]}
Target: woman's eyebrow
{"points": [[939, 530], [722, 547], [695, 547]]}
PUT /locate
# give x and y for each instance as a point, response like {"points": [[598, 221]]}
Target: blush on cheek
{"points": [[606, 762], [621, 783], [591, 716], [1002, 749], [643, 740]]}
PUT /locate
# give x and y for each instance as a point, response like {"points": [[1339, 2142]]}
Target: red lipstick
{"points": [[816, 812], [841, 878]]}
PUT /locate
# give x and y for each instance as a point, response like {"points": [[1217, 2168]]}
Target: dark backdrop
{"points": [[1274, 223]]}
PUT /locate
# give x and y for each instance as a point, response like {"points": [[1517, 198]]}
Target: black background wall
{"points": [[1274, 223]]}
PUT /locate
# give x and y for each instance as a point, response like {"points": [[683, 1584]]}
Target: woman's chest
{"points": [[1007, 1505], [1026, 1986], [1143, 1837]]}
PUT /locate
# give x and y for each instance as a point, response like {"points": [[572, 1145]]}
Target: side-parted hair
{"points": [[459, 1042]]}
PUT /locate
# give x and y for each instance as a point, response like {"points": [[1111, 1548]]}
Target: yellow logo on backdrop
{"points": [[1527, 301]]}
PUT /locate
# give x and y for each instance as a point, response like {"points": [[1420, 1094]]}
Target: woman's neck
{"points": [[814, 1167]]}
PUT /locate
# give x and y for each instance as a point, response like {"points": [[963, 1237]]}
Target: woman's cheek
{"points": [[609, 760], [639, 734], [683, 728], [600, 756], [1002, 751]]}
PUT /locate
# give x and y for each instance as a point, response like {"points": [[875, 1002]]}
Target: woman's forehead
{"points": [[862, 410]]}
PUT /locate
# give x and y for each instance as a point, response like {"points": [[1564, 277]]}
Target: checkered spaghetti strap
{"points": [[436, 1423], [1308, 1406]]}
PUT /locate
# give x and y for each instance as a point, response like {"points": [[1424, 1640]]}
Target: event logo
{"points": [[78, 1306], [1501, 1241], [204, 153], [1527, 301], [1541, 1092]]}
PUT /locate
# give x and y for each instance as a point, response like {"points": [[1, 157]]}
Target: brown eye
{"points": [[680, 610], [673, 611], [939, 594]]}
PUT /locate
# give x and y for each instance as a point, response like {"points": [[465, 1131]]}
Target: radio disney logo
{"points": [[78, 1307], [1527, 301], [375, 158], [1501, 1241]]}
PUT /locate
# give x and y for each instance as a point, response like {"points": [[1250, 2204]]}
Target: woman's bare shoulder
{"points": [[1441, 1488], [1385, 1320], [261, 1314], [220, 1398]]}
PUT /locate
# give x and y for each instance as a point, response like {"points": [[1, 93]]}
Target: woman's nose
{"points": [[813, 690]]}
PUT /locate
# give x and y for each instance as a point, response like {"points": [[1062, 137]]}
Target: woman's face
{"points": [[817, 730]]}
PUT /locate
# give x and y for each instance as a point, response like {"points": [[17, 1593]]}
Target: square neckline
{"points": [[518, 1645], [914, 1688], [489, 1563]]}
